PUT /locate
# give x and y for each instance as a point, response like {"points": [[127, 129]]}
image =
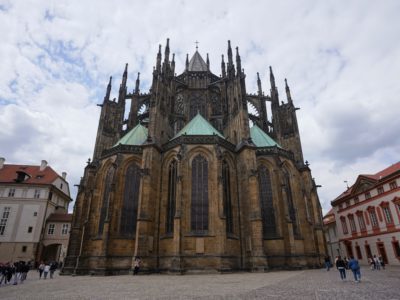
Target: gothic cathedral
{"points": [[196, 178]]}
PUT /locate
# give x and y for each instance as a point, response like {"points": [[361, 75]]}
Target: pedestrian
{"points": [[53, 267], [327, 262], [377, 263], [10, 271], [355, 268], [46, 270], [17, 272], [3, 273], [341, 266], [25, 271], [371, 263], [381, 261], [136, 265], [41, 269]]}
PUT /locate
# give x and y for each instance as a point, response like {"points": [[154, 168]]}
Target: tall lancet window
{"points": [[130, 200], [226, 182], [199, 210], [266, 202], [106, 199], [172, 177], [290, 204]]}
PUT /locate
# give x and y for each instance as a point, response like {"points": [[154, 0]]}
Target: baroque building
{"points": [[187, 184], [34, 219], [369, 216]]}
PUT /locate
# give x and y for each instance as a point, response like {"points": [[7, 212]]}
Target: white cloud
{"points": [[342, 65]]}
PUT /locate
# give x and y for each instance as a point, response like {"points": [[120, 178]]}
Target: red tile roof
{"points": [[389, 170], [8, 174], [378, 176], [58, 217]]}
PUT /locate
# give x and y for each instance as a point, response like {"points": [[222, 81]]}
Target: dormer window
{"points": [[380, 190], [22, 176]]}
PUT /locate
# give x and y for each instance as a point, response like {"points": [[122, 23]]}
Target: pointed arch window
{"points": [[130, 200], [106, 199], [227, 200], [289, 198], [199, 209], [266, 203], [172, 177]]}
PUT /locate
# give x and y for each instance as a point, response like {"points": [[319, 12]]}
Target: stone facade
{"points": [[187, 200]]}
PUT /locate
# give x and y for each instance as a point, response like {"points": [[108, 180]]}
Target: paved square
{"points": [[309, 284]]}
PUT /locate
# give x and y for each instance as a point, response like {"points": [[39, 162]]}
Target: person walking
{"points": [[341, 266], [355, 268], [53, 268], [46, 270], [377, 263], [382, 262], [41, 269], [371, 263], [327, 262], [136, 265]]}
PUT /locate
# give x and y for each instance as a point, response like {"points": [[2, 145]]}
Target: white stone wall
{"points": [[28, 219], [11, 222]]}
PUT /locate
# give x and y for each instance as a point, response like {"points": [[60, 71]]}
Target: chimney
{"points": [[2, 160], [43, 165], [64, 175]]}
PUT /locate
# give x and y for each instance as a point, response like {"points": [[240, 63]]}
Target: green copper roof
{"points": [[136, 136], [261, 139], [198, 126]]}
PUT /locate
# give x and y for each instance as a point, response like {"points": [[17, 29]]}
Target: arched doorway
{"points": [[51, 252]]}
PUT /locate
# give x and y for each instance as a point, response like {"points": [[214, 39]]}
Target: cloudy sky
{"points": [[341, 59]]}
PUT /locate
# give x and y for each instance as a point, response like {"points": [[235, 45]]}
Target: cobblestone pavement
{"points": [[309, 284]]}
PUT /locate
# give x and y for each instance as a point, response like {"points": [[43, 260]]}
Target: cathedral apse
{"points": [[198, 178]]}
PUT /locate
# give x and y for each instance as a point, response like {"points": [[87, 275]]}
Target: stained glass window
{"points": [[226, 182], [106, 198], [199, 210], [130, 200], [266, 202], [172, 176]]}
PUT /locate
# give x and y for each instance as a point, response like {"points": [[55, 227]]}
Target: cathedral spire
{"points": [[137, 83], [230, 60], [158, 66], [231, 68], [289, 97], [108, 91], [122, 87], [187, 62], [208, 63], [271, 78], [238, 62], [166, 52], [125, 75], [173, 64], [259, 85], [223, 69]]}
